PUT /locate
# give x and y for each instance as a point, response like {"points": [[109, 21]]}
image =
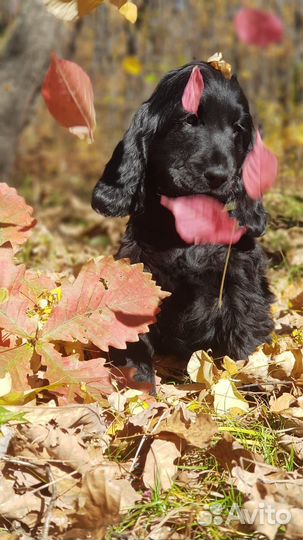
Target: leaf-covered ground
{"points": [[220, 440]]}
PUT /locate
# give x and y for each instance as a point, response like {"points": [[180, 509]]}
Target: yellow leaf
{"points": [[230, 366], [117, 425], [137, 407], [129, 11], [5, 384], [132, 65], [201, 368], [227, 399], [4, 294]]}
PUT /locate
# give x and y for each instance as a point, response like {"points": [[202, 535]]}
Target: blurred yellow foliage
{"points": [[132, 65]]}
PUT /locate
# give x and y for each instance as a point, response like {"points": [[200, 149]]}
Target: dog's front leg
{"points": [[138, 355], [251, 214]]}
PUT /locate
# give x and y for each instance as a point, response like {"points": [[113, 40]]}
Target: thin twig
{"points": [[225, 267], [51, 504]]}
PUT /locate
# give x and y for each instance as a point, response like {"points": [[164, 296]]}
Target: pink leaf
{"points": [[260, 169], [16, 220], [193, 91], [72, 374], [203, 220], [109, 303], [257, 27], [15, 306], [68, 93]]}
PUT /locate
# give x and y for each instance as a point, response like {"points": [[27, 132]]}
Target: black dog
{"points": [[169, 151]]}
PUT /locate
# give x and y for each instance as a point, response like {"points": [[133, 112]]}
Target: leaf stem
{"points": [[220, 302]]}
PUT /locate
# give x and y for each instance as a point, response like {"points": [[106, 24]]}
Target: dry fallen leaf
{"points": [[201, 368], [227, 399], [160, 468], [198, 431]]}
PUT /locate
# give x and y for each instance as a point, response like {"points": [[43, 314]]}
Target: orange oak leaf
{"points": [[14, 304], [16, 220], [109, 304], [160, 468], [16, 362], [78, 377], [68, 93]]}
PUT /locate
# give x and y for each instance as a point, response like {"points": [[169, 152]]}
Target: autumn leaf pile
{"points": [[85, 450]]}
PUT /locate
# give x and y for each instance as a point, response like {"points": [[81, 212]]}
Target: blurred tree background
{"points": [[56, 172]]}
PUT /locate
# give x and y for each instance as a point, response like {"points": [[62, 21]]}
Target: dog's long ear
{"points": [[120, 190]]}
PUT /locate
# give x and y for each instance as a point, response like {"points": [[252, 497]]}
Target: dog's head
{"points": [[170, 151]]}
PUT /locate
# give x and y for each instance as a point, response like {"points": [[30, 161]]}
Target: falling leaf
{"points": [[258, 27], [260, 169], [227, 399], [70, 10], [129, 11], [201, 219], [160, 469], [68, 93]]}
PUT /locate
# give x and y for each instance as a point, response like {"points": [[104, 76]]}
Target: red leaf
{"points": [[110, 303], [260, 169], [16, 220], [203, 220], [14, 306], [193, 91], [16, 362], [71, 372], [20, 293], [257, 27], [68, 93]]}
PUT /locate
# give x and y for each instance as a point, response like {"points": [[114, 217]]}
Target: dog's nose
{"points": [[215, 177]]}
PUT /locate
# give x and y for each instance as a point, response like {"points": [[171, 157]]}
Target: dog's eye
{"points": [[238, 130], [191, 119]]}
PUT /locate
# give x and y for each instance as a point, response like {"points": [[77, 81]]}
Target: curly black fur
{"points": [[167, 151]]}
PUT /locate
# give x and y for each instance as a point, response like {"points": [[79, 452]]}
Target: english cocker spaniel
{"points": [[174, 149]]}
